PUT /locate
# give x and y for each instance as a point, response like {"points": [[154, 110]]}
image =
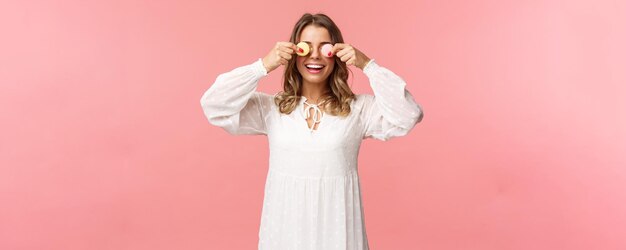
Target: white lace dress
{"points": [[312, 197]]}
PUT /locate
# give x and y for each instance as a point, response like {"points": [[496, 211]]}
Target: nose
{"points": [[315, 52]]}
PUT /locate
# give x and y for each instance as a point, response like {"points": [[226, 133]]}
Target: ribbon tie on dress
{"points": [[317, 114]]}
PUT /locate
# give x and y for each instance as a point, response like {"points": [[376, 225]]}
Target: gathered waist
{"points": [[309, 164], [313, 176]]}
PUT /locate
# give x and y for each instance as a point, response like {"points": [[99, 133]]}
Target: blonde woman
{"points": [[314, 126]]}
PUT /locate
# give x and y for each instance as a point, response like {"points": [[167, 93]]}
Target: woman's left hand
{"points": [[349, 54]]}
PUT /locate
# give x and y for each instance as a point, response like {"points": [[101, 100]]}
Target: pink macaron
{"points": [[327, 50]]}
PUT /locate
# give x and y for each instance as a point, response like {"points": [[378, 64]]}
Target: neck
{"points": [[313, 91]]}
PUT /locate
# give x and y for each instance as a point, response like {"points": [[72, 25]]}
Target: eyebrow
{"points": [[320, 43]]}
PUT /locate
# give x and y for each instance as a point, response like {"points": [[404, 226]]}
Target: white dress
{"points": [[312, 199]]}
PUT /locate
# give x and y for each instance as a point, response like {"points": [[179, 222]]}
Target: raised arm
{"points": [[392, 110], [233, 103]]}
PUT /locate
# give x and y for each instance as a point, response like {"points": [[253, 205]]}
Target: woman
{"points": [[314, 127]]}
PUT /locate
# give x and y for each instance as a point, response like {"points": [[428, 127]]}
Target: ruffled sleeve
{"points": [[392, 110], [233, 103]]}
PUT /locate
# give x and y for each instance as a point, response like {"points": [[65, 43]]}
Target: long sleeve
{"points": [[392, 110], [233, 103]]}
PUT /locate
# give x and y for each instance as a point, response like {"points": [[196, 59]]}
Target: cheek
{"points": [[299, 60], [331, 65]]}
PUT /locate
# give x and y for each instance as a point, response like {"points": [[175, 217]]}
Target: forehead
{"points": [[314, 34]]}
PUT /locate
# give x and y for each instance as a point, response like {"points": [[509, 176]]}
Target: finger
{"points": [[277, 52], [283, 61], [343, 57], [346, 56], [288, 45], [344, 51], [351, 61], [285, 55], [287, 50], [338, 47], [283, 44]]}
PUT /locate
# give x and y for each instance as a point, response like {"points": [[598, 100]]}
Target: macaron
{"points": [[327, 50], [303, 49]]}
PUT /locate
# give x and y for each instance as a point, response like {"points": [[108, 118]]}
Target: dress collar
{"points": [[317, 113], [302, 99]]}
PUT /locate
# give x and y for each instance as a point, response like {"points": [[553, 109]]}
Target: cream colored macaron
{"points": [[303, 49]]}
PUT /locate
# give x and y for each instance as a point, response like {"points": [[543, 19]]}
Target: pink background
{"points": [[103, 143]]}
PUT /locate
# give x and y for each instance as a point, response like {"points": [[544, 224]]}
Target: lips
{"points": [[314, 68]]}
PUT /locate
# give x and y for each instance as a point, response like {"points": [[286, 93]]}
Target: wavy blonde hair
{"points": [[337, 100]]}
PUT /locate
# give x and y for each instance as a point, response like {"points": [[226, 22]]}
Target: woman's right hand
{"points": [[280, 54]]}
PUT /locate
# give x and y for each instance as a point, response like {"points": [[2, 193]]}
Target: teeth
{"points": [[314, 66]]}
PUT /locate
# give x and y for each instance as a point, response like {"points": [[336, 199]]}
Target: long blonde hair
{"points": [[337, 100]]}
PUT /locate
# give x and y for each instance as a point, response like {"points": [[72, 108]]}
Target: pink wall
{"points": [[104, 144]]}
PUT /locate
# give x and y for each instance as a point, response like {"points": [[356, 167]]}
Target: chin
{"points": [[321, 78], [315, 79]]}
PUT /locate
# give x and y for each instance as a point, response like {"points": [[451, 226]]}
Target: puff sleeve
{"points": [[392, 110], [233, 103]]}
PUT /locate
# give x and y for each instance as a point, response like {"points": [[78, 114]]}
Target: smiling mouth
{"points": [[314, 68]]}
